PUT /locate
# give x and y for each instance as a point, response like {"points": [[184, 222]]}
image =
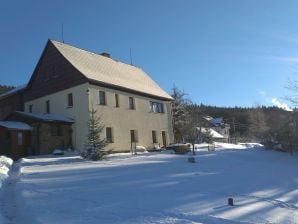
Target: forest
{"points": [[271, 126]]}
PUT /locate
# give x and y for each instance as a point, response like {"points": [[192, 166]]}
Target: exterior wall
{"points": [[5, 142], [122, 119], [47, 142], [58, 105]]}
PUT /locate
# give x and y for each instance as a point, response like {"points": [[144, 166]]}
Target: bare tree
{"points": [[258, 127]]}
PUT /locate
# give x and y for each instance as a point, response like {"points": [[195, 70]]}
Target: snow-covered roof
{"points": [[213, 133], [217, 121], [15, 125], [47, 117], [15, 90], [106, 70]]}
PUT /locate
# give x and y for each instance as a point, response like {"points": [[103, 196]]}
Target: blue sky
{"points": [[223, 52]]}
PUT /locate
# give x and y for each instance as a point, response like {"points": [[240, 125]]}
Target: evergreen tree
{"points": [[179, 113], [5, 88], [94, 147], [207, 136]]}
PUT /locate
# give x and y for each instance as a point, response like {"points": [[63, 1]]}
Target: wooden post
{"points": [[230, 201]]}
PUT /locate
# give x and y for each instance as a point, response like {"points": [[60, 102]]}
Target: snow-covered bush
{"points": [[5, 164], [6, 161]]}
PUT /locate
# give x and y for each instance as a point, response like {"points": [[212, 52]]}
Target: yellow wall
{"points": [[121, 119], [58, 105]]}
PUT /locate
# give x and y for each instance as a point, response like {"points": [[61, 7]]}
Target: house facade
{"points": [[70, 81]]}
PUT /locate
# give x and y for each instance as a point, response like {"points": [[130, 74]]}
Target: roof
{"points": [[213, 133], [15, 125], [217, 121], [15, 90], [46, 117], [96, 67]]}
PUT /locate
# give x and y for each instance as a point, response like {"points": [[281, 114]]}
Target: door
{"points": [[164, 138]]}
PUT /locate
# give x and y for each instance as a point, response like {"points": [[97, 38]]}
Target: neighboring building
{"points": [[70, 81], [219, 126], [214, 134]]}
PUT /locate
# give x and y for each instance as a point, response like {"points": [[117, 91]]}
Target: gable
{"points": [[53, 73]]}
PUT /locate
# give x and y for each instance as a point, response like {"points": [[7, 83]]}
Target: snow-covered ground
{"points": [[5, 164], [156, 188]]}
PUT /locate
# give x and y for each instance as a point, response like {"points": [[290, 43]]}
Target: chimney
{"points": [[105, 54]]}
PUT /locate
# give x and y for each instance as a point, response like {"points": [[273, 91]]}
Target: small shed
{"points": [[50, 131], [15, 139]]}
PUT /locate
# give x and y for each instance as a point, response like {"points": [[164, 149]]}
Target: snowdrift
{"points": [[5, 164]]}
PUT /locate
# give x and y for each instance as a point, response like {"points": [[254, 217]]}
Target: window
{"points": [[116, 100], [156, 107], [69, 100], [154, 138], [55, 130], [133, 136], [109, 135], [102, 98], [47, 106], [131, 103], [20, 138], [30, 108]]}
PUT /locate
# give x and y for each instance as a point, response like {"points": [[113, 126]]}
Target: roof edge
{"points": [[121, 88]]}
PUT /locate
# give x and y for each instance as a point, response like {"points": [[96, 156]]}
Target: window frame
{"points": [[109, 139], [31, 108], [55, 130], [20, 138], [117, 100], [69, 100], [154, 137], [48, 107], [156, 107], [131, 103], [102, 98]]}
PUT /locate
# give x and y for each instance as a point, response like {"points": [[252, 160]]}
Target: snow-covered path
{"points": [[157, 188], [8, 205]]}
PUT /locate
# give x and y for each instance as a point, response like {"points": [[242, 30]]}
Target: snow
{"points": [[213, 133], [5, 164], [15, 125], [47, 117], [157, 188]]}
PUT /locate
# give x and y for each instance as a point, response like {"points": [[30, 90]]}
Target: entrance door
{"points": [[164, 138]]}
